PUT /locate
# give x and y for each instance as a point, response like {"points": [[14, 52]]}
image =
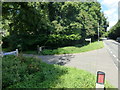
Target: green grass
{"points": [[61, 77], [21, 72], [74, 49]]}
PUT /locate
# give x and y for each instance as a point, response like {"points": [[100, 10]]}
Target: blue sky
{"points": [[110, 9]]}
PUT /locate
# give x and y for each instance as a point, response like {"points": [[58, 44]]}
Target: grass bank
{"points": [[74, 49], [22, 72]]}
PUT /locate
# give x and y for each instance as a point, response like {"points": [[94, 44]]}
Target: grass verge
{"points": [[22, 72], [68, 50], [74, 49]]}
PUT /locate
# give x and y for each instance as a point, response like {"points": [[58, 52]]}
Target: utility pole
{"points": [[1, 33], [98, 32]]}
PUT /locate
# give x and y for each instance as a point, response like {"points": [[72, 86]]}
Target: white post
{"points": [[40, 49], [98, 32], [16, 52], [99, 86], [90, 40]]}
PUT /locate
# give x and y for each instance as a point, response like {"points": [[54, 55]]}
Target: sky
{"points": [[110, 9]]}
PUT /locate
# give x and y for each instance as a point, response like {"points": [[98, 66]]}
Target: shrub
{"points": [[17, 69]]}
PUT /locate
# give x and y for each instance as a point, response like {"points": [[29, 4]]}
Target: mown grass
{"points": [[74, 49], [22, 72]]}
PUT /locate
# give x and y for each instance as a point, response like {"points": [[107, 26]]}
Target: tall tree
{"points": [[51, 23]]}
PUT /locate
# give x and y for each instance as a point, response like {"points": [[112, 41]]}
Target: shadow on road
{"points": [[65, 59], [54, 59]]}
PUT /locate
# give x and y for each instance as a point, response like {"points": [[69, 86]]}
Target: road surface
{"points": [[113, 48], [92, 61]]}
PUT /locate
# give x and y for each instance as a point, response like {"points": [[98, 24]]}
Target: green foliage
{"points": [[50, 23], [114, 32], [74, 49], [17, 69], [58, 39], [15, 75]]}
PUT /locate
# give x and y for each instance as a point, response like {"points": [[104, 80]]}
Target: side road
{"points": [[92, 61]]}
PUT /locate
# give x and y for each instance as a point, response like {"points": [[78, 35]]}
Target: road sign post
{"points": [[100, 80], [88, 39]]}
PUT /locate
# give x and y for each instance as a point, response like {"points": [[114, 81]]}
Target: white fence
{"points": [[10, 53]]}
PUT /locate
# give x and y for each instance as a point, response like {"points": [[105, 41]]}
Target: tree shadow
{"points": [[81, 45], [54, 59]]}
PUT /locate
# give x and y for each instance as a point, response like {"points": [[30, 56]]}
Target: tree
{"points": [[114, 32], [51, 23]]}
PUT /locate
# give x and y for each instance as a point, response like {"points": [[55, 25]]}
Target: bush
{"points": [[17, 69]]}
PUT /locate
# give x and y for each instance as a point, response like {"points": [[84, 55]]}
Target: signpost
{"points": [[100, 80], [88, 39]]}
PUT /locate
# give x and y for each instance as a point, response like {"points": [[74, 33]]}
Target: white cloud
{"points": [[110, 3], [111, 11]]}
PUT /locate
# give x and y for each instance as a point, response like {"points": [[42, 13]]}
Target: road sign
{"points": [[88, 39], [100, 80]]}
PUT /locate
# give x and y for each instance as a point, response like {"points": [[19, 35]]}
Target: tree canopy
{"points": [[114, 32], [50, 23]]}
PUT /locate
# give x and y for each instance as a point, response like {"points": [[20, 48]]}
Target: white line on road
{"points": [[117, 60], [114, 56], [110, 51]]}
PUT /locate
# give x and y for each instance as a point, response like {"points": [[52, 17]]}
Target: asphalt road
{"points": [[113, 48]]}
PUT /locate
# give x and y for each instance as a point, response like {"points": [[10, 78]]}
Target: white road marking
{"points": [[111, 54], [114, 56], [116, 66], [117, 60]]}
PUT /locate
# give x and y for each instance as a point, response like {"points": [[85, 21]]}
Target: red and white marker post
{"points": [[100, 80]]}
